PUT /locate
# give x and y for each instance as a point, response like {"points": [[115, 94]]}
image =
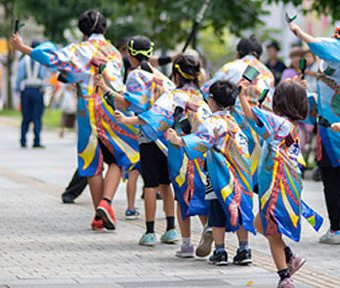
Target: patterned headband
{"points": [[146, 53], [186, 75]]}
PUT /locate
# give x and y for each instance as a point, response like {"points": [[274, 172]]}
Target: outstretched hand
{"points": [[295, 29], [244, 84], [16, 41], [100, 82], [121, 118], [335, 127], [171, 135]]}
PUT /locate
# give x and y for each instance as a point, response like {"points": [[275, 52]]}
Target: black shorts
{"points": [[107, 155], [154, 165], [217, 216]]}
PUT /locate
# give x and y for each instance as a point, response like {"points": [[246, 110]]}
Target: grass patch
{"points": [[51, 117]]}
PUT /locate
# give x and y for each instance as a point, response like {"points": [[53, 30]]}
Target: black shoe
{"points": [[39, 146], [23, 146], [219, 259], [158, 196], [242, 257], [67, 199]]}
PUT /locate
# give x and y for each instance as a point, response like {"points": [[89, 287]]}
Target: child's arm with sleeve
{"points": [[118, 98]]}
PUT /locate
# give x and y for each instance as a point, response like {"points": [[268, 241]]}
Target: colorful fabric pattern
{"points": [[228, 164], [279, 179], [79, 63], [328, 102], [233, 71], [188, 177]]}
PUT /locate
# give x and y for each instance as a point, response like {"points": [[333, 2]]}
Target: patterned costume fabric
{"points": [[142, 90], [188, 177], [79, 63], [228, 164], [328, 102], [280, 182], [233, 71]]}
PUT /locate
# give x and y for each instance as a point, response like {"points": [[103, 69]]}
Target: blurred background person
{"points": [[311, 71], [294, 69], [275, 65], [30, 85]]}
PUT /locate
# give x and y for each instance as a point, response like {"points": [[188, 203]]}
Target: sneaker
{"points": [[204, 247], [186, 251], [170, 237], [97, 225], [242, 257], [148, 239], [330, 237], [295, 263], [131, 214], [219, 259], [286, 283], [105, 212]]}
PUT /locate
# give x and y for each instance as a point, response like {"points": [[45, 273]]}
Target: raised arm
{"points": [[301, 34], [18, 44], [245, 104]]}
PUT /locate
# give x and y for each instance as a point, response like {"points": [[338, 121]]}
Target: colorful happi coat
{"points": [[233, 71], [279, 179], [228, 164], [328, 102], [79, 63], [187, 176], [143, 89]]}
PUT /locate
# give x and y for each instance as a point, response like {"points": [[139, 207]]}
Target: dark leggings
{"points": [[330, 178]]}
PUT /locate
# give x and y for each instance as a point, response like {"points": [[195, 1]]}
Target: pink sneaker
{"points": [[295, 263], [286, 283]]}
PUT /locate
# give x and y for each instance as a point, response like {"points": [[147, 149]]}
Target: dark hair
{"points": [[274, 44], [122, 42], [296, 52], [188, 69], [290, 99], [224, 93], [249, 46], [141, 48], [92, 21]]}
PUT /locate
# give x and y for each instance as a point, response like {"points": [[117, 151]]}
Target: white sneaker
{"points": [[330, 237]]}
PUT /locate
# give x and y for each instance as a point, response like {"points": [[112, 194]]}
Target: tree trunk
{"points": [[9, 63]]}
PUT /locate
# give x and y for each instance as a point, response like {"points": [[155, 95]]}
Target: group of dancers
{"points": [[215, 145]]}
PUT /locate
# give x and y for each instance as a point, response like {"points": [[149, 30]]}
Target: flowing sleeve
{"points": [[137, 92], [159, 117], [203, 139], [271, 127], [328, 49], [71, 60]]}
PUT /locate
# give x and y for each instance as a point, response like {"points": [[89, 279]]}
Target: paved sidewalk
{"points": [[44, 243]]}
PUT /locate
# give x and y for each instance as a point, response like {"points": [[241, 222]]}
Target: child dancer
{"points": [[100, 138], [144, 85], [229, 180], [187, 177], [279, 179]]}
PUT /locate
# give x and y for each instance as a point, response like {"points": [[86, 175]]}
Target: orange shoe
{"points": [[105, 212], [97, 225]]}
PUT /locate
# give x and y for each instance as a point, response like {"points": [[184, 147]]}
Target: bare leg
{"points": [[168, 200], [184, 225], [277, 246], [258, 224], [131, 189], [111, 181], [96, 184], [203, 219], [150, 203], [242, 235], [218, 233]]}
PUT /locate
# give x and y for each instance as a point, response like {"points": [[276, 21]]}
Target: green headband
{"points": [[146, 53]]}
